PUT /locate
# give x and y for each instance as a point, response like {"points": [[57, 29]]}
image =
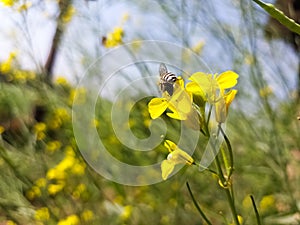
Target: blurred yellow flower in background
{"points": [[6, 66], [126, 212], [68, 14], [39, 130], [62, 81], [42, 214], [53, 189], [10, 222], [2, 129], [24, 6], [70, 220], [87, 215], [197, 48], [42, 182], [53, 146], [265, 91], [8, 2], [114, 38], [267, 203]]}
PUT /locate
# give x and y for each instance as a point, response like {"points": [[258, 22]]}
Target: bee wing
{"points": [[168, 87], [162, 69]]}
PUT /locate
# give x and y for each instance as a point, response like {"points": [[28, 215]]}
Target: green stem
{"points": [[232, 206], [223, 180], [208, 169], [229, 150], [197, 206], [255, 210], [221, 176], [209, 114]]}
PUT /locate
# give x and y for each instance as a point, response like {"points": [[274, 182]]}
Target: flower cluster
{"points": [[10, 73], [188, 103], [114, 38]]}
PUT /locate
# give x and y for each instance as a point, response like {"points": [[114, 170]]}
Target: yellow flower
{"points": [[77, 96], [62, 81], [24, 6], [20, 76], [265, 91], [8, 2], [68, 14], [42, 214], [70, 220], [79, 190], [212, 84], [39, 127], [55, 188], [176, 156], [2, 129], [267, 203], [39, 130], [33, 193], [58, 118], [213, 88], [78, 168], [180, 103], [240, 219], [125, 17], [41, 182], [10, 222], [5, 67], [87, 215], [198, 47], [53, 146], [126, 212], [114, 38], [223, 104], [55, 173], [66, 163], [95, 123]]}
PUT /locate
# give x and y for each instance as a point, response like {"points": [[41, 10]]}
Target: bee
{"points": [[167, 79]]}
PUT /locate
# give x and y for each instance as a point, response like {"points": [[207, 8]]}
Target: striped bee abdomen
{"points": [[167, 79]]}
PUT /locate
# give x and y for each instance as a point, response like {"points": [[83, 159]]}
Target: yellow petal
{"points": [[157, 106], [228, 79], [175, 115], [180, 157], [222, 106], [230, 97], [166, 168], [180, 104], [179, 82], [170, 145], [194, 88], [205, 81]]}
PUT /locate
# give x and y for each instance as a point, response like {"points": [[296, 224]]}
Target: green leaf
{"points": [[279, 16]]}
